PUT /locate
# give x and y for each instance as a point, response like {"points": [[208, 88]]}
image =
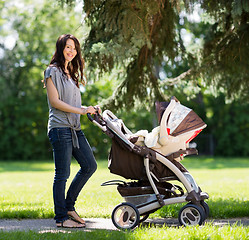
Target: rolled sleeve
{"points": [[50, 72]]}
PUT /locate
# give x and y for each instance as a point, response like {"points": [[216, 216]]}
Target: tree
{"points": [[137, 36]]}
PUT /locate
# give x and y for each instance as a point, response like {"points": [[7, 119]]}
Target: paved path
{"points": [[48, 225]]}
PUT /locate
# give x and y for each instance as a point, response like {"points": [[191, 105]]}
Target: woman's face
{"points": [[69, 51]]}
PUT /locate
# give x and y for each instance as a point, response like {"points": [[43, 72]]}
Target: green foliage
{"points": [[134, 41], [137, 36], [131, 35], [225, 50], [227, 121], [229, 125], [23, 105]]}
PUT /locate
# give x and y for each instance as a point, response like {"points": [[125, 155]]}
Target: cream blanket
{"points": [[150, 140]]}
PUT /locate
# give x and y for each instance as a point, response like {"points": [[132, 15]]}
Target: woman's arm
{"points": [[55, 102]]}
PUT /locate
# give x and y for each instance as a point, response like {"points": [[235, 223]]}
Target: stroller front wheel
{"points": [[206, 208], [125, 216], [191, 215]]}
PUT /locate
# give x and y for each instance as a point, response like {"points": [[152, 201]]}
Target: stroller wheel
{"points": [[206, 208], [125, 216], [143, 218], [191, 215]]}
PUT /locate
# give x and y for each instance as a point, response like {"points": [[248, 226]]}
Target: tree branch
{"points": [[178, 79]]}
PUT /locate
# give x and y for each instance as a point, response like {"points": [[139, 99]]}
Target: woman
{"points": [[62, 79]]}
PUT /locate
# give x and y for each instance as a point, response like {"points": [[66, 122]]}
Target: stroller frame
{"points": [[127, 214]]}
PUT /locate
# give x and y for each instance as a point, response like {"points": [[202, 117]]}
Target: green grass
{"points": [[26, 189], [226, 182], [149, 233]]}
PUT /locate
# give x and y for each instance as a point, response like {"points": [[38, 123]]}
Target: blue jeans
{"points": [[63, 150]]}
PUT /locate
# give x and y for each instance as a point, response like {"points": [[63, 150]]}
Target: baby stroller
{"points": [[152, 162]]}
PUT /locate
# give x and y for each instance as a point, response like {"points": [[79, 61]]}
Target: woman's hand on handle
{"points": [[90, 109], [97, 109]]}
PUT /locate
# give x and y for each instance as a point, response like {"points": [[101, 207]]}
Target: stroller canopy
{"points": [[179, 120]]}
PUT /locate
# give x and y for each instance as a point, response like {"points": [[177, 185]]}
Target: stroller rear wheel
{"points": [[125, 216], [191, 215], [143, 218]]}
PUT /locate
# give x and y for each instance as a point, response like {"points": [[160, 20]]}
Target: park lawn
{"points": [[26, 189]]}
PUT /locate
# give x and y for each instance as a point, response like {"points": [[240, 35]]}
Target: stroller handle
{"points": [[97, 120], [89, 117], [96, 112]]}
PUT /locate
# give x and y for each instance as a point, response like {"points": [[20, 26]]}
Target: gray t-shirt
{"points": [[68, 93]]}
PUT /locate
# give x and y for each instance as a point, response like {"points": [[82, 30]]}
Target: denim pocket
{"points": [[60, 135], [64, 134], [52, 135]]}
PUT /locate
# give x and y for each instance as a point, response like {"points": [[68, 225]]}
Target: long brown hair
{"points": [[76, 66]]}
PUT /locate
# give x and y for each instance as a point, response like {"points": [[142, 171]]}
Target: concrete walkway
{"points": [[48, 225]]}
